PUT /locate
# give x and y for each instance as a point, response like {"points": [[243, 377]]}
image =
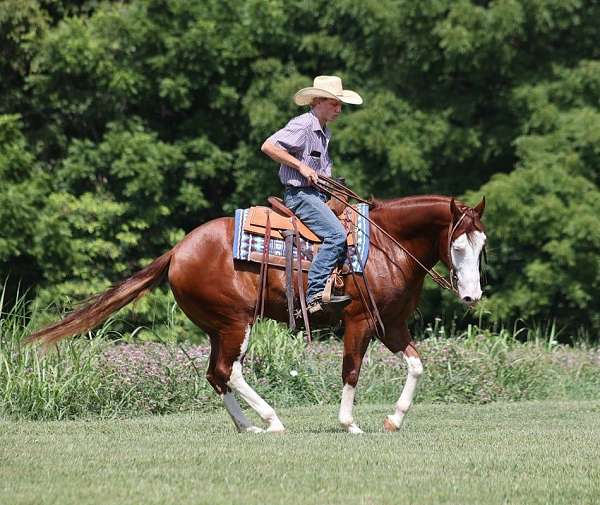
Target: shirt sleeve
{"points": [[292, 137]]}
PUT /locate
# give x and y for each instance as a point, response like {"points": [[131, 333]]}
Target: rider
{"points": [[301, 149]]}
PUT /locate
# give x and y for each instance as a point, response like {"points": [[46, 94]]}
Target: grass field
{"points": [[526, 452]]}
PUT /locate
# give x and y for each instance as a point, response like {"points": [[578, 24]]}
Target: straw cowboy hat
{"points": [[327, 86]]}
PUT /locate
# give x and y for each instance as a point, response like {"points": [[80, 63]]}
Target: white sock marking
{"points": [[239, 384], [245, 342], [346, 405], [415, 370]]}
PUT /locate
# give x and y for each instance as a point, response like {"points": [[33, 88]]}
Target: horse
{"points": [[219, 295]]}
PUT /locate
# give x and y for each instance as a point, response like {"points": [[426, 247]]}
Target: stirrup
{"points": [[339, 300], [317, 304]]}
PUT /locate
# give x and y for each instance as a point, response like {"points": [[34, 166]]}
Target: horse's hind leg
{"points": [[218, 375], [225, 374], [239, 384]]}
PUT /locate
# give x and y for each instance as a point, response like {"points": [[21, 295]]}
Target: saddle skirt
{"points": [[249, 237]]}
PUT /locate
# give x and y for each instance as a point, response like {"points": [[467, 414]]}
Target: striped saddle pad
{"points": [[248, 242]]}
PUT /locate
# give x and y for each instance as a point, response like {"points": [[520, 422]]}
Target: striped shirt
{"points": [[306, 141]]}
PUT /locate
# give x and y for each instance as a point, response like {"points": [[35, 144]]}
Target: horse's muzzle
{"points": [[469, 301]]}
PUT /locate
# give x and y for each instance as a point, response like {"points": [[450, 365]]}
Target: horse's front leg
{"points": [[402, 345], [355, 345]]}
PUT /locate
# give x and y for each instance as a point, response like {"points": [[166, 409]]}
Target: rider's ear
{"points": [[480, 207]]}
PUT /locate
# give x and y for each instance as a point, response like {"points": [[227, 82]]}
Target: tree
{"points": [[125, 124]]}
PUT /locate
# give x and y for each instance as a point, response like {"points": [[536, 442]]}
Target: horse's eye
{"points": [[459, 245]]}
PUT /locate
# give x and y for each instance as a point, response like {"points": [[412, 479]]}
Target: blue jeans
{"points": [[309, 205]]}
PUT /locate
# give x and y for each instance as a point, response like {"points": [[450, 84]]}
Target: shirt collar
{"points": [[317, 125]]}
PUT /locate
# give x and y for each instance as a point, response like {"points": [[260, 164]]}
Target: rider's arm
{"points": [[280, 155]]}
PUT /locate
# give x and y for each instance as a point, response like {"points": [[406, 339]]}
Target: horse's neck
{"points": [[418, 223]]}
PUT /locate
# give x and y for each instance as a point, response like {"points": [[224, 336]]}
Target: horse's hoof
{"points": [[354, 429], [389, 425], [275, 425], [254, 429]]}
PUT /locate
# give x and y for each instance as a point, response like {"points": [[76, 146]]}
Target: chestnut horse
{"points": [[219, 295]]}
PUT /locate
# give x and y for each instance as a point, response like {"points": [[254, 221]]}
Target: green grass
{"points": [[525, 452]]}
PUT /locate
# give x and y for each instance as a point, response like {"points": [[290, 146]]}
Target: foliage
{"points": [[544, 238], [114, 374], [543, 216], [62, 385], [123, 125]]}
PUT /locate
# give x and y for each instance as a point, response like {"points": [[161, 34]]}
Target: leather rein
{"points": [[331, 187]]}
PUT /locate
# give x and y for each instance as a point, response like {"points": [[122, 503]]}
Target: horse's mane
{"points": [[408, 201], [377, 205]]}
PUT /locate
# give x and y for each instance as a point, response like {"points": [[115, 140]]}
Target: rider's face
{"points": [[328, 109]]}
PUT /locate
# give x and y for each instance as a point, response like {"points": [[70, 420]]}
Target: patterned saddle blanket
{"points": [[248, 242]]}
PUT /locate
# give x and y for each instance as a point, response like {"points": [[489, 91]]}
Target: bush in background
{"points": [[123, 125]]}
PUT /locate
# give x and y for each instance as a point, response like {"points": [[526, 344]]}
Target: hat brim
{"points": [[305, 96]]}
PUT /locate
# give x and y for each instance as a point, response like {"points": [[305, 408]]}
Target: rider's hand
{"points": [[309, 173]]}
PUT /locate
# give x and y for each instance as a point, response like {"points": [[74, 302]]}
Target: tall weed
{"points": [[107, 374], [284, 368], [58, 383]]}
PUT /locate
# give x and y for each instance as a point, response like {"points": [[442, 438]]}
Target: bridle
{"points": [[451, 270], [482, 255], [334, 188]]}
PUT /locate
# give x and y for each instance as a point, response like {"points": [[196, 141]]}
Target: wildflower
{"points": [[293, 373]]}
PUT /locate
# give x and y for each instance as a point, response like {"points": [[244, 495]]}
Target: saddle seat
{"points": [[278, 206], [280, 218]]}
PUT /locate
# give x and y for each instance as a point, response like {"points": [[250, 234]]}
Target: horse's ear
{"points": [[480, 207], [454, 210]]}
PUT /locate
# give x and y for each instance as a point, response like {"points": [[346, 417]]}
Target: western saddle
{"points": [[278, 221], [281, 218]]}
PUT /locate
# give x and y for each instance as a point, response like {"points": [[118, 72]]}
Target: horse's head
{"points": [[466, 240]]}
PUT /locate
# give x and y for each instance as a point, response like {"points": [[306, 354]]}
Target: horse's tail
{"points": [[100, 306]]}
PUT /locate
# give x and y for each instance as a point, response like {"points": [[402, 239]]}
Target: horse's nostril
{"points": [[467, 299]]}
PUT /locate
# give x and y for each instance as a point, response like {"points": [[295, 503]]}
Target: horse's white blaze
{"points": [[345, 415], [465, 251], [415, 370], [251, 397]]}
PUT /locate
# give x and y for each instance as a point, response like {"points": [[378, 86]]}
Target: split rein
{"points": [[331, 187]]}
